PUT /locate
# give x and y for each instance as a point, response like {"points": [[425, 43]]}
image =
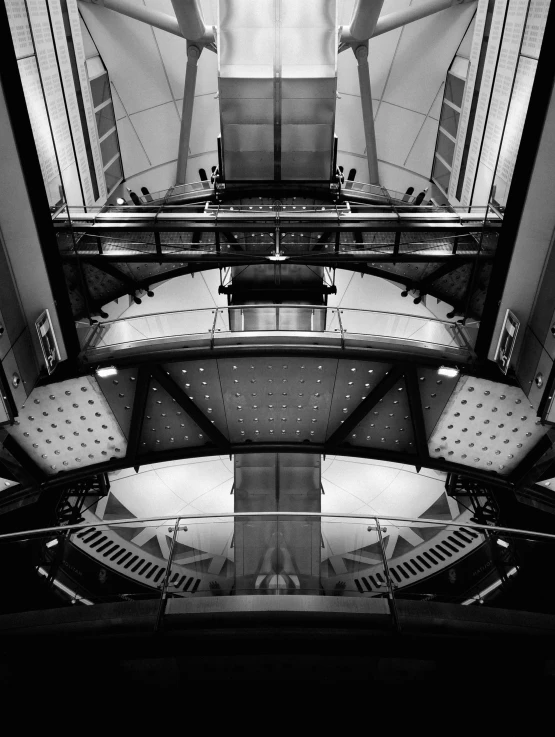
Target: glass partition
{"points": [[269, 554]]}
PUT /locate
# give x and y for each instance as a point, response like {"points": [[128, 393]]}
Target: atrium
{"points": [[277, 336]]}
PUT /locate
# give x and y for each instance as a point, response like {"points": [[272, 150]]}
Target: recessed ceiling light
{"points": [[106, 371], [449, 371]]}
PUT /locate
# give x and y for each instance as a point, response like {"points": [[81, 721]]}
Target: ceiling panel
{"points": [[158, 129], [422, 153], [425, 52], [132, 152], [396, 131], [130, 52]]}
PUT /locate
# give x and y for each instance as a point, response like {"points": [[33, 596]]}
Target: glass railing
{"points": [[335, 325], [272, 554]]}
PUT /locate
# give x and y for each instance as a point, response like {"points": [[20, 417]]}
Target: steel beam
{"points": [[193, 54], [188, 406], [360, 412], [364, 19], [139, 12], [361, 54], [191, 23], [401, 18], [137, 415]]}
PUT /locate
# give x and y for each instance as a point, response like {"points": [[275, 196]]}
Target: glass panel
{"points": [[109, 147], [449, 120], [445, 148], [441, 175], [100, 88], [105, 119], [113, 174], [454, 90]]}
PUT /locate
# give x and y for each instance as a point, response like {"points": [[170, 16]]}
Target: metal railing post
{"points": [[341, 328], [164, 589], [391, 594], [213, 328]]}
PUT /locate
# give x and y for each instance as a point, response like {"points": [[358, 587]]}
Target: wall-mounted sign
{"points": [[507, 340], [48, 341]]}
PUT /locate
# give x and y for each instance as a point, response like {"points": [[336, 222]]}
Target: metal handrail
{"points": [[282, 306], [177, 519]]}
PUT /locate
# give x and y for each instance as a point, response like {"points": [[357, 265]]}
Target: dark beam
{"points": [[188, 406], [439, 464], [25, 470], [417, 414], [137, 415], [368, 404], [107, 267], [525, 473], [439, 273]]}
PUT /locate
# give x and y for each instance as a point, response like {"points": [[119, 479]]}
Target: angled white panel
{"points": [[173, 51], [206, 125], [396, 131], [207, 75], [347, 75], [435, 110], [119, 110], [159, 179], [158, 129], [425, 51], [133, 156], [348, 125], [400, 179], [131, 55], [422, 154], [349, 161]]}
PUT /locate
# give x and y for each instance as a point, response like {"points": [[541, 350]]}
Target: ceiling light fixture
{"points": [[106, 371], [502, 543], [449, 371], [52, 543]]}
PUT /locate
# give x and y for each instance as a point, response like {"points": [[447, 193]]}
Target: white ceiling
{"points": [[408, 68]]}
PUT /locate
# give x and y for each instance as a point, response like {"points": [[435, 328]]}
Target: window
{"points": [[449, 119], [445, 148], [100, 88], [113, 175], [454, 89], [109, 147], [441, 175], [105, 119]]}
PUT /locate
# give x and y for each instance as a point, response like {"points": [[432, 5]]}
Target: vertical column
{"points": [[361, 53], [276, 555], [193, 55]]}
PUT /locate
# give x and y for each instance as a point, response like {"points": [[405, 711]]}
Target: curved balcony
{"points": [[332, 327]]}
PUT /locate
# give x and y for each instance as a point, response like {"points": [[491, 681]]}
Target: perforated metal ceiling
{"points": [[486, 425], [68, 425]]}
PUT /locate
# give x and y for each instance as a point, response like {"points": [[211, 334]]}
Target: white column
{"points": [[361, 53], [193, 54], [141, 13], [191, 22], [364, 19], [395, 20]]}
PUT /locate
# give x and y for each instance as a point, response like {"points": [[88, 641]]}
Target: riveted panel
{"points": [[200, 380], [277, 399], [486, 425], [120, 394], [68, 425], [166, 425], [354, 380], [6, 483], [388, 426], [435, 391]]}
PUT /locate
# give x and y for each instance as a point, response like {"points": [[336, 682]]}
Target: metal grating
{"points": [[68, 425], [354, 380], [277, 399], [388, 426], [120, 394], [166, 425], [486, 425], [201, 383]]}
